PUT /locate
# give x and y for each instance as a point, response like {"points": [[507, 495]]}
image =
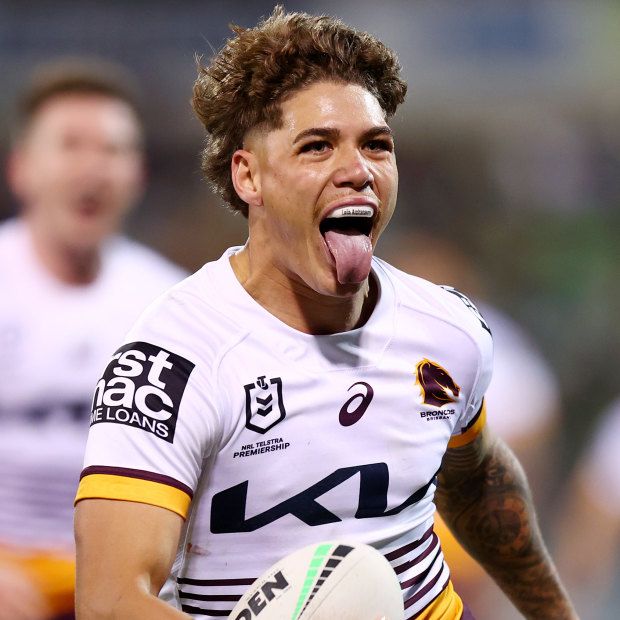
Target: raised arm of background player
{"points": [[125, 552], [484, 498]]}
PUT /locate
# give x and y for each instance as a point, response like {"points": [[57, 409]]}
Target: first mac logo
{"points": [[142, 387]]}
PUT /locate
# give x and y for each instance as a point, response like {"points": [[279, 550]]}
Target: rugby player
{"points": [[299, 389]]}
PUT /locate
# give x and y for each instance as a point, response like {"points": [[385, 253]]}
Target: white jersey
{"points": [[54, 339], [267, 439]]}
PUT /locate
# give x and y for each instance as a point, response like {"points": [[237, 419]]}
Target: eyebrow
{"points": [[332, 133]]}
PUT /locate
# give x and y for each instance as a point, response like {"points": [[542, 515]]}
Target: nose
{"points": [[94, 164], [353, 170]]}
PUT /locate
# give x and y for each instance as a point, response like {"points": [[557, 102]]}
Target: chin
{"points": [[336, 289]]}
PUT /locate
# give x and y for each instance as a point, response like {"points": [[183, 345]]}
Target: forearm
{"points": [[128, 606], [490, 511]]}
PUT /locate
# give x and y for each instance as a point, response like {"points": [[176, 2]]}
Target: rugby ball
{"points": [[332, 580]]}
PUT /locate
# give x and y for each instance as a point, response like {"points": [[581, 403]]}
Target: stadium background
{"points": [[508, 145]]}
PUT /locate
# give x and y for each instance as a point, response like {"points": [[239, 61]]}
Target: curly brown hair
{"points": [[246, 82]]}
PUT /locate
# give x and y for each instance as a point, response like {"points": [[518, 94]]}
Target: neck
{"points": [[302, 308], [68, 263]]}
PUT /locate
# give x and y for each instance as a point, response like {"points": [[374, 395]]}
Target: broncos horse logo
{"points": [[437, 385]]}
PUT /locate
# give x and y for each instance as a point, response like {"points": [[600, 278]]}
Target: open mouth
{"points": [[356, 219], [347, 233], [89, 204]]}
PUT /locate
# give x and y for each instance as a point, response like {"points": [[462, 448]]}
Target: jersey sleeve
{"points": [[473, 417], [151, 425], [470, 431]]}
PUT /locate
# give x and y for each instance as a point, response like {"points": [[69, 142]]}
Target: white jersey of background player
{"points": [[70, 288], [55, 338], [283, 438]]}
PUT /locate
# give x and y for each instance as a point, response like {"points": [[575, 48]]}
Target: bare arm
{"points": [[124, 553], [484, 498]]}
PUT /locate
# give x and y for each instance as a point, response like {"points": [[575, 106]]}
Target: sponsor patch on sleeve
{"points": [[142, 387]]}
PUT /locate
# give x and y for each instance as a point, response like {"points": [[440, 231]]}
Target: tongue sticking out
{"points": [[352, 252]]}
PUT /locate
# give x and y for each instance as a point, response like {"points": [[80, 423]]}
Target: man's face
{"points": [[79, 168], [332, 156]]}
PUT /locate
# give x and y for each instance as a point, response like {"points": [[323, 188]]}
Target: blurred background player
{"points": [[523, 399], [588, 538], [70, 287]]}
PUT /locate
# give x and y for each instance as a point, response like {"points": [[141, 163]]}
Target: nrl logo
{"points": [[438, 388], [264, 406]]}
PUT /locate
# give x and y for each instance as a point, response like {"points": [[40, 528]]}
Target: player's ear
{"points": [[245, 177]]}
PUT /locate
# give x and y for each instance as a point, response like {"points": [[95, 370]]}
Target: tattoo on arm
{"points": [[484, 498]]}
